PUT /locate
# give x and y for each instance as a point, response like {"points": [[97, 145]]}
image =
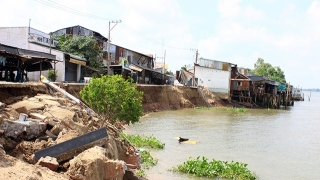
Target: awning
{"points": [[83, 63], [136, 68], [76, 59]]}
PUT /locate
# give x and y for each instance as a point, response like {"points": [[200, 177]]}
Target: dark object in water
{"points": [[182, 139]]}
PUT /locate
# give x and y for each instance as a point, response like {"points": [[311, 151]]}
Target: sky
{"points": [[284, 33]]}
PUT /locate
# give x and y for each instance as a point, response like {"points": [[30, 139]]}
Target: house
{"points": [[269, 93], [214, 75], [15, 63], [68, 66], [185, 77], [240, 85], [123, 61]]}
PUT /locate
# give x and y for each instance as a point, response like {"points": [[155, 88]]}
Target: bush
{"points": [[115, 98], [52, 75]]}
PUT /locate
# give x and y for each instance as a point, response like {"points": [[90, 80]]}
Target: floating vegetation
{"points": [[142, 141], [201, 167], [241, 110], [203, 107], [147, 160], [237, 109], [141, 173]]}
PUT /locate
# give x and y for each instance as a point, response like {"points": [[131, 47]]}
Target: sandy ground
{"points": [[14, 169]]}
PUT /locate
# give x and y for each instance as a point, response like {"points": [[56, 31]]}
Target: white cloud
{"points": [[229, 8], [233, 9], [210, 47]]}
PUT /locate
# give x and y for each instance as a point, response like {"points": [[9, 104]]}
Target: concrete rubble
{"points": [[32, 124], [49, 162], [93, 164]]}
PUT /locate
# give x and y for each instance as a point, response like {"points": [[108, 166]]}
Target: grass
{"points": [[201, 167], [142, 141]]}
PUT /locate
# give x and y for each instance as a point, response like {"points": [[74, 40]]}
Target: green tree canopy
{"points": [[262, 68], [83, 46], [114, 97]]}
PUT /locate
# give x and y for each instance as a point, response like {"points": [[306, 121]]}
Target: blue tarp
{"points": [[282, 87]]}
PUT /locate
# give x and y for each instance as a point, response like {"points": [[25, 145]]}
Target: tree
{"points": [[114, 97], [184, 67], [262, 68], [83, 46]]}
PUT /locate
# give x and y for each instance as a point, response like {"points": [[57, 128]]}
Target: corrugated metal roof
{"points": [[214, 64], [256, 78]]}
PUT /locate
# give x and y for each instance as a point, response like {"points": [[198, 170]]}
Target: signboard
{"points": [[82, 63]]}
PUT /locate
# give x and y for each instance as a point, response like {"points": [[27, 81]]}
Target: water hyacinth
{"points": [[240, 110], [142, 141], [203, 168]]}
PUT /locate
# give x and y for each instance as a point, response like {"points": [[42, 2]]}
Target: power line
{"points": [[70, 10], [80, 13]]}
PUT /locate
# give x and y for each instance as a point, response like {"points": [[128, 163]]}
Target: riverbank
{"points": [[66, 120], [52, 120]]}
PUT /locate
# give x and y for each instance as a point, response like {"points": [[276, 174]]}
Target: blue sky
{"points": [[284, 33]]}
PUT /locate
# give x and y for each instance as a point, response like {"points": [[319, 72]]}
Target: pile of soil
{"points": [[64, 120]]}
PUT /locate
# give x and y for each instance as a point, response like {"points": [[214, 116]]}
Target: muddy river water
{"points": [[276, 144]]}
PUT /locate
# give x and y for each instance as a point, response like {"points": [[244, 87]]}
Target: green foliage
{"points": [[203, 168], [240, 110], [236, 109], [147, 160], [52, 75], [203, 107], [114, 97], [262, 68], [141, 173], [125, 61], [145, 141], [184, 67], [83, 46]]}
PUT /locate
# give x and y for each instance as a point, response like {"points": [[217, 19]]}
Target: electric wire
{"points": [[73, 11]]}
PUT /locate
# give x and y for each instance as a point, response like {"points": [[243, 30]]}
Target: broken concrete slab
{"points": [[57, 129], [66, 135], [93, 164], [50, 102], [45, 96], [22, 109], [50, 134], [37, 116], [60, 113], [49, 162], [68, 149], [30, 105], [79, 127], [24, 129], [89, 164], [115, 169]]}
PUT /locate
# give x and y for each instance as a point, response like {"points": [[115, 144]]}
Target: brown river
{"points": [[276, 144]]}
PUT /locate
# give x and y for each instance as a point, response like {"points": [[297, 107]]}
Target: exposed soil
{"points": [[65, 119]]}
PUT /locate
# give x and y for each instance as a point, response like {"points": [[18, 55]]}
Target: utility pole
{"points": [[109, 59], [164, 62], [29, 28], [194, 68], [163, 67]]}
